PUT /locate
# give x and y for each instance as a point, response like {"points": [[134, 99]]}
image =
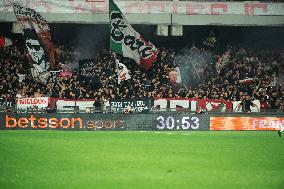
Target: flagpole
{"points": [[109, 25]]}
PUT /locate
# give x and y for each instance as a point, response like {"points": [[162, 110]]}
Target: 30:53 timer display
{"points": [[170, 123]]}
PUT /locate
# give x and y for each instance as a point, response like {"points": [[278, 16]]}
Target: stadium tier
{"points": [[226, 72]]}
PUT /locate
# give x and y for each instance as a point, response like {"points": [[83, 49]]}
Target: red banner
{"points": [[152, 7], [192, 104]]}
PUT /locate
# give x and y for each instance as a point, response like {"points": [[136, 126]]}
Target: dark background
{"points": [[89, 39]]}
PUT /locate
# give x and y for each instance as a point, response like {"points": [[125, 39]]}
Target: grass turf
{"points": [[141, 160]]}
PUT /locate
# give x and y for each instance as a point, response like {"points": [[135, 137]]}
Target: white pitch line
{"points": [[169, 133]]}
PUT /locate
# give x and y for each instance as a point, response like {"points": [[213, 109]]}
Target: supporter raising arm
{"points": [[246, 104]]}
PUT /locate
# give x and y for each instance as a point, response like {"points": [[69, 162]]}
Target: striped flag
{"points": [[124, 40]]}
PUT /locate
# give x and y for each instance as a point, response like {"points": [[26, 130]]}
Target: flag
{"points": [[175, 76], [86, 68], [37, 40], [4, 42], [122, 72], [124, 40], [246, 80], [87, 73]]}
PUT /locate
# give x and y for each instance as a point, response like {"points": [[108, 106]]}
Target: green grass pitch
{"points": [[141, 160]]}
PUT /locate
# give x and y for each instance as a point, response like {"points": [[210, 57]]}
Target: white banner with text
{"points": [[150, 7]]}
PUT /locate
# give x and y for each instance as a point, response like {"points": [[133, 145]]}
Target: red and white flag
{"points": [[246, 80], [4, 42]]}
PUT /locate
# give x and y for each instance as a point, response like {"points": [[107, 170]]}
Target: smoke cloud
{"points": [[193, 63]]}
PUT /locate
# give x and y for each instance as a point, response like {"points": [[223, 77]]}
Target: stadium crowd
{"points": [[237, 72]]}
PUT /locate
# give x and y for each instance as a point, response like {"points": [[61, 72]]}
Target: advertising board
{"points": [[246, 123], [110, 121]]}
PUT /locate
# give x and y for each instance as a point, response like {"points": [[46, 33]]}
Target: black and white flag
{"points": [[37, 40]]}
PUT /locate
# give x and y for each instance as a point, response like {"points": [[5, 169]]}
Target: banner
{"points": [[69, 106], [124, 40], [151, 7], [137, 105], [37, 40], [246, 123], [104, 122], [191, 104], [26, 103]]}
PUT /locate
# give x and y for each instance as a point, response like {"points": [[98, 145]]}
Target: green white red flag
{"points": [[124, 40]]}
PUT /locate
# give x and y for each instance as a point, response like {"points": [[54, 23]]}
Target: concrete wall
{"points": [[153, 19]]}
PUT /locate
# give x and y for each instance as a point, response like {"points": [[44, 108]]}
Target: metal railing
{"points": [[151, 110]]}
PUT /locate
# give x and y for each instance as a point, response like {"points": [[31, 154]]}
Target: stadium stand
{"points": [[229, 82]]}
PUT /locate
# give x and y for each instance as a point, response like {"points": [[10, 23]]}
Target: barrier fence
{"points": [[161, 121], [138, 105]]}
